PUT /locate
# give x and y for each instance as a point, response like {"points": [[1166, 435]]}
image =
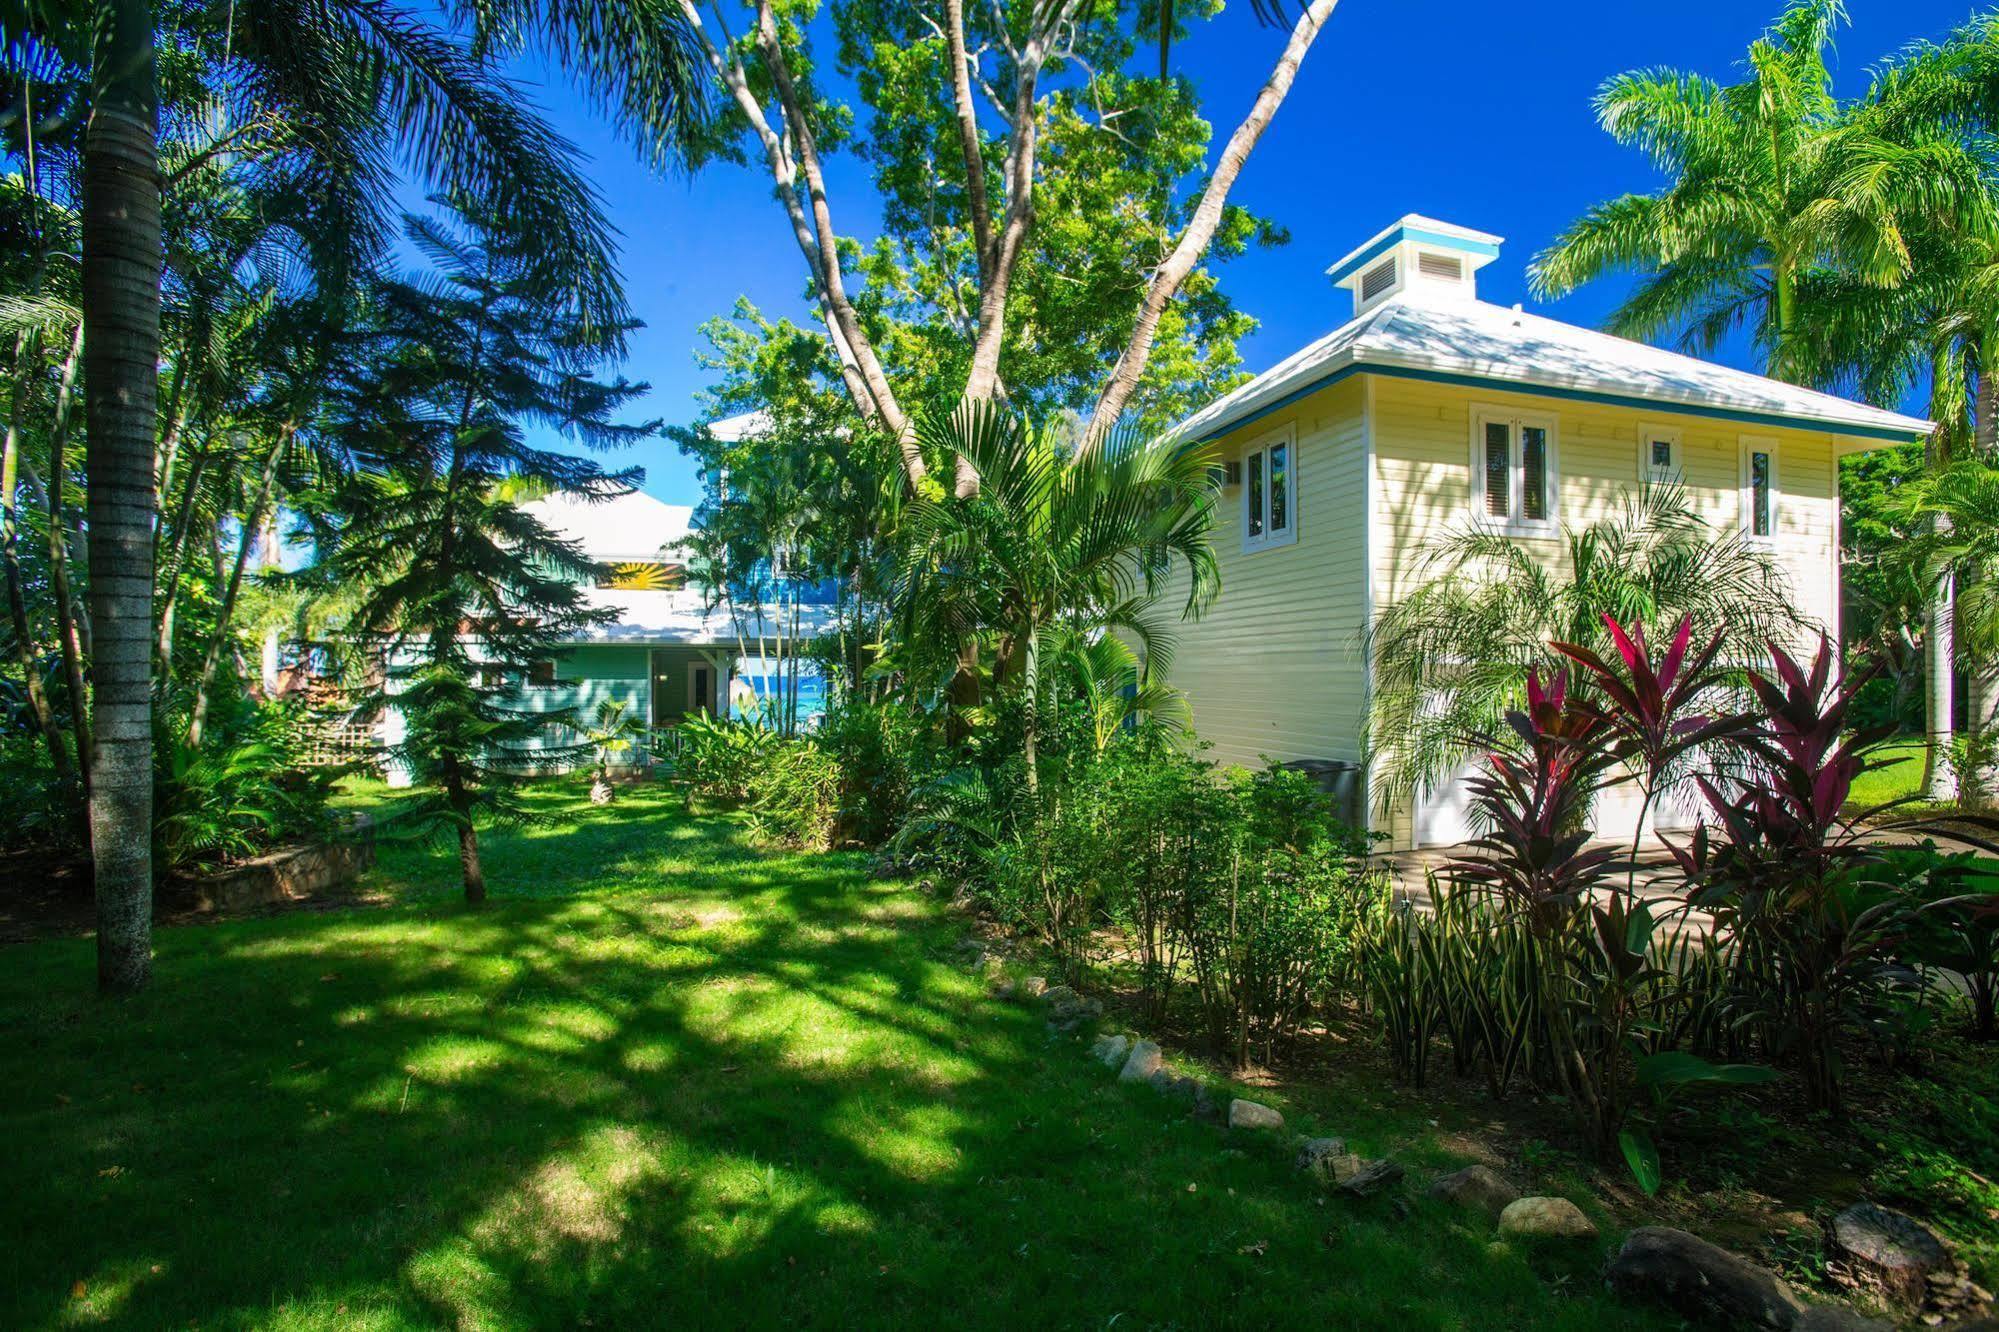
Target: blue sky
{"points": [[1471, 112]]}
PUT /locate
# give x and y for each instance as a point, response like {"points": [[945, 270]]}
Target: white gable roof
{"points": [[632, 527], [1472, 341]]}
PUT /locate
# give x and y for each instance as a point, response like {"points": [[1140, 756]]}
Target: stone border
{"points": [[1654, 1264]]}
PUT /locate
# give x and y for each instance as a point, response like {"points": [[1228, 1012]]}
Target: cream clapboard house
{"points": [[1431, 408]]}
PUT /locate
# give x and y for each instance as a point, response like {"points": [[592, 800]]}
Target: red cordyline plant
{"points": [[1648, 712], [1536, 854], [1783, 870], [1599, 989], [1536, 859]]}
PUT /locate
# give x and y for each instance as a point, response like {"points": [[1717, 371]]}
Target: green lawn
{"points": [[664, 1079], [1903, 775]]}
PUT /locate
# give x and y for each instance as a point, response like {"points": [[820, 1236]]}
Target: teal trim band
{"points": [[1568, 395], [1400, 234]]}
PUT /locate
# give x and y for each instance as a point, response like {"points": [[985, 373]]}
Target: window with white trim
{"points": [[1760, 490], [1659, 461], [1270, 493], [1515, 475]]}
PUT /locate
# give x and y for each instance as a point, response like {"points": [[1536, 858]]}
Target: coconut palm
{"points": [[1934, 329], [1452, 658], [1769, 178]]}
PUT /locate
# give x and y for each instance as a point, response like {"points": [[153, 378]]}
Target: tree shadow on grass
{"points": [[752, 1091]]}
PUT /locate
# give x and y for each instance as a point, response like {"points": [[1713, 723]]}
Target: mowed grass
{"points": [[663, 1079], [1900, 777]]}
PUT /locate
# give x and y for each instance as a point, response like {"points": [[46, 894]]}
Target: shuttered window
{"points": [[1498, 464], [1515, 470]]}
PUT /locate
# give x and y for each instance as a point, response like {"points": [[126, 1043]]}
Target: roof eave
{"points": [[1855, 436]]}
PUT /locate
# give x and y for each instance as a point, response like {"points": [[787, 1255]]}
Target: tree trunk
{"points": [[1985, 414], [1976, 785], [176, 559], [1938, 660], [1200, 230], [253, 525], [460, 800], [121, 313]]}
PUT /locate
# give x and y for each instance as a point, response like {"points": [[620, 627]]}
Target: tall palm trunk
{"points": [[121, 316], [1939, 694]]}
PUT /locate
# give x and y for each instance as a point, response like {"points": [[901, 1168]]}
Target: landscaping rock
{"points": [[1250, 1115], [1555, 1218], [1372, 1178], [1883, 1248], [1476, 1188], [1344, 1167], [1068, 1010], [1143, 1061], [1003, 989], [1111, 1049], [1700, 1281], [1205, 1106], [289, 874], [1167, 1083], [1316, 1155], [1034, 987]]}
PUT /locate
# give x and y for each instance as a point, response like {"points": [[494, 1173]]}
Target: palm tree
{"points": [[1452, 659], [121, 319], [1769, 178], [331, 92], [1055, 541], [1773, 184], [1959, 506], [1935, 328]]}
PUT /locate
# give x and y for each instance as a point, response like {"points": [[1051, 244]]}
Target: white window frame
{"points": [[1287, 437], [1484, 414], [1750, 445], [1648, 474]]}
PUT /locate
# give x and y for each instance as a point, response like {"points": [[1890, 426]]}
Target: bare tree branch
{"points": [[832, 281], [968, 137], [1207, 216]]}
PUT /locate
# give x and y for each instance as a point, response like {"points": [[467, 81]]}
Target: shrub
{"points": [[719, 757], [846, 784], [36, 806], [239, 795], [1955, 922], [1270, 934]]}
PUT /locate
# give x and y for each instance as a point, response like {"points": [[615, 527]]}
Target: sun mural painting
{"points": [[642, 576]]}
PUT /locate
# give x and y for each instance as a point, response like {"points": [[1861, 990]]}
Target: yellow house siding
{"points": [[1274, 668], [1422, 450], [1383, 464]]}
